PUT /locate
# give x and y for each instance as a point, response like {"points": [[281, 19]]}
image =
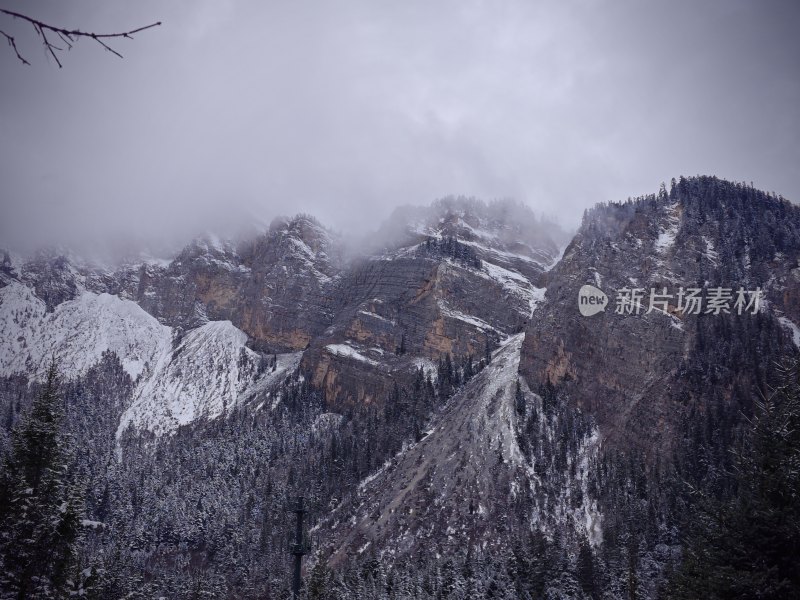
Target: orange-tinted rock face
{"points": [[436, 340], [639, 376], [275, 288], [459, 280]]}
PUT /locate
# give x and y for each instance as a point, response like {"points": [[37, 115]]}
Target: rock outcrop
{"points": [[639, 375]]}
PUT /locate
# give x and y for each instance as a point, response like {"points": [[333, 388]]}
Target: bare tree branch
{"points": [[68, 36], [13, 44]]}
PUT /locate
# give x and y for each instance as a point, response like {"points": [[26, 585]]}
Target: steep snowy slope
{"points": [[460, 484], [208, 371], [206, 374], [76, 333]]}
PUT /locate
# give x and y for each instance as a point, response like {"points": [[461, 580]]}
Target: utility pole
{"points": [[301, 544]]}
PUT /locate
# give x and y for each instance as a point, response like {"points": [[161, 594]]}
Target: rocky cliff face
{"points": [[460, 277], [457, 278], [641, 374], [274, 288], [280, 363]]}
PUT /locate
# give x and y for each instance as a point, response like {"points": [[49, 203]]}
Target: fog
{"points": [[231, 113]]}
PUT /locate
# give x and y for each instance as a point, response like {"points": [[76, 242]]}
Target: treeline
{"points": [[202, 514]]}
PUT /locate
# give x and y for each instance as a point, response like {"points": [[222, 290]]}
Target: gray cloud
{"points": [[348, 109]]}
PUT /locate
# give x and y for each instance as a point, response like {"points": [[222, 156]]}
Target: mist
{"points": [[232, 113]]}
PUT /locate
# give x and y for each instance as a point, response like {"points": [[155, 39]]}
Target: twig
{"points": [[48, 45], [13, 44], [66, 39], [68, 36], [107, 47]]}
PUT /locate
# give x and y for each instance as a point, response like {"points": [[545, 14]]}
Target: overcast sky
{"points": [[348, 109]]}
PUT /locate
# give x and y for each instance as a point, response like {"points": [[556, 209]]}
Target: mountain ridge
{"points": [[442, 403]]}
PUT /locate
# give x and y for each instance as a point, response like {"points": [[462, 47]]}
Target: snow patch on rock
{"points": [[448, 311], [516, 285], [347, 351], [793, 329], [668, 232], [711, 254]]}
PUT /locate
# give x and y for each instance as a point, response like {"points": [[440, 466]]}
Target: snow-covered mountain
{"points": [[641, 374], [438, 397], [179, 377], [193, 332]]}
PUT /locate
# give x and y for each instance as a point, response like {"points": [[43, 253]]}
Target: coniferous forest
{"points": [[201, 514]]}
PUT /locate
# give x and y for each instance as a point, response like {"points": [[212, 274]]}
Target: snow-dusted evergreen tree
{"points": [[40, 509], [747, 545]]}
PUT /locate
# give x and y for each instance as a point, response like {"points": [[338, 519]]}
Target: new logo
{"points": [[591, 300]]}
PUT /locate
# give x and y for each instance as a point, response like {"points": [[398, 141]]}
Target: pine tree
{"points": [[401, 349], [519, 400], [748, 545], [469, 368], [586, 569], [319, 582], [40, 512]]}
